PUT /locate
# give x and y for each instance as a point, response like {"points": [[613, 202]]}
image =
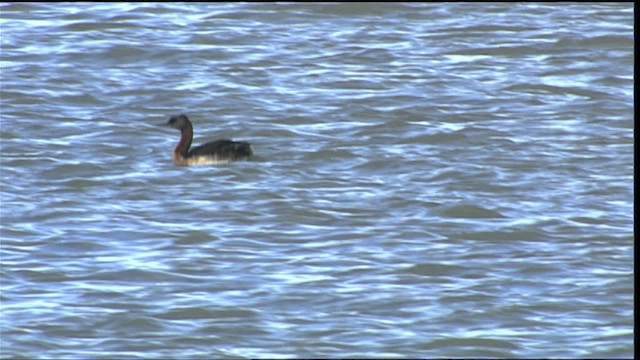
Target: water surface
{"points": [[431, 180]]}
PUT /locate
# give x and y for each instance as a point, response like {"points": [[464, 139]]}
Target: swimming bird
{"points": [[215, 152]]}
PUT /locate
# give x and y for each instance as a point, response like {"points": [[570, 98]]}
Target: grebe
{"points": [[215, 152]]}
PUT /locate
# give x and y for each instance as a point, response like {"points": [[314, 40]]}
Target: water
{"points": [[431, 180]]}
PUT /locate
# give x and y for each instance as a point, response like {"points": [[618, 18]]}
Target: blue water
{"points": [[430, 180]]}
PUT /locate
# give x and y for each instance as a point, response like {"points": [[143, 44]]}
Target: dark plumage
{"points": [[215, 152]]}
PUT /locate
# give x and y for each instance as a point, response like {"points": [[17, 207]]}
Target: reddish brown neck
{"points": [[185, 141]]}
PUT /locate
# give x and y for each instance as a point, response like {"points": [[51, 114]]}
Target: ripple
{"points": [[415, 174]]}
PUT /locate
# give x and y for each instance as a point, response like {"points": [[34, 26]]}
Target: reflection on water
{"points": [[430, 180]]}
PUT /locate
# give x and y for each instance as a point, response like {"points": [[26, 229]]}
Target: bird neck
{"points": [[185, 141]]}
